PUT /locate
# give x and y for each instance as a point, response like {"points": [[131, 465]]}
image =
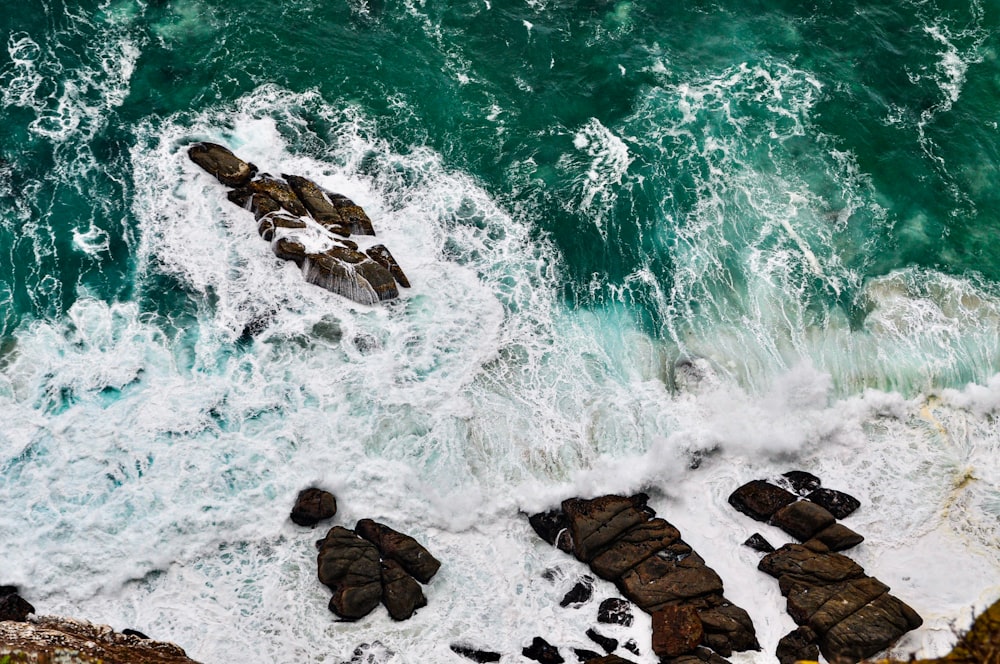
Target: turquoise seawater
{"points": [[654, 246]]}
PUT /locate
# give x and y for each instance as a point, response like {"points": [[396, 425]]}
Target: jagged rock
{"points": [[52, 639], [14, 607], [808, 566], [401, 593], [632, 647], [634, 546], [227, 168], [801, 482], [380, 254], [759, 499], [802, 519], [838, 503], [677, 630], [727, 628], [542, 651], [872, 628], [799, 644], [579, 593], [758, 543], [350, 273], [314, 200], [279, 191], [615, 611], [806, 600], [596, 523], [606, 642], [585, 655], [289, 249], [352, 216], [658, 581], [349, 566], [410, 554], [134, 632], [476, 655], [271, 223], [312, 506], [838, 537], [553, 527]]}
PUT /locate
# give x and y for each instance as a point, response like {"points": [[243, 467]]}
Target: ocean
{"points": [[654, 246]]}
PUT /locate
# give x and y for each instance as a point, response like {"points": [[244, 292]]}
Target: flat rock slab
{"points": [[759, 499], [802, 519], [219, 160], [677, 630]]}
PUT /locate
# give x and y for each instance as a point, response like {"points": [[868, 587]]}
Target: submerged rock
{"points": [[218, 160], [579, 593]]}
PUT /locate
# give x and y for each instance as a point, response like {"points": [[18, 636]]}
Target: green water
{"points": [[677, 155]]}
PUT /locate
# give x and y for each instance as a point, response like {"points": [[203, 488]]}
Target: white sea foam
{"points": [[154, 461]]}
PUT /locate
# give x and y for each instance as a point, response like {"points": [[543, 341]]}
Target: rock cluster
{"points": [[622, 541], [374, 563], [309, 226], [839, 609]]}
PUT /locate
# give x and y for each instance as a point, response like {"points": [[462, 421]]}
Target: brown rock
{"points": [[351, 215], [596, 523], [271, 223], [289, 250], [838, 503], [732, 623], [349, 566], [380, 254], [656, 582], [838, 537], [802, 519], [632, 547], [312, 506], [314, 200], [677, 630], [872, 628], [401, 593], [759, 499], [550, 526], [849, 598], [809, 566], [799, 644], [350, 273], [227, 168], [615, 611], [262, 206], [405, 550], [280, 192], [14, 607]]}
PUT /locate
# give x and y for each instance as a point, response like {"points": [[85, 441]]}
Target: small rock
{"points": [[288, 249], [312, 506], [632, 647], [799, 644], [586, 655], [580, 593], [227, 168], [615, 611], [677, 630], [380, 254], [350, 273], [838, 503], [759, 499], [476, 655], [838, 537], [758, 543], [802, 519], [542, 651], [14, 607], [606, 642], [801, 482]]}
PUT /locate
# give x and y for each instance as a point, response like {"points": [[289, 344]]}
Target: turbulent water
{"points": [[654, 246]]}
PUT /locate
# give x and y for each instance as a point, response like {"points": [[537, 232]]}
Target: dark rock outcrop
{"points": [[475, 654], [401, 593], [837, 537], [350, 273], [227, 168], [381, 255], [838, 503], [615, 611], [13, 607], [802, 519], [349, 565], [758, 543], [279, 191], [408, 552], [553, 527], [801, 482], [759, 499], [580, 593], [542, 651], [799, 644], [677, 630], [312, 506], [606, 642]]}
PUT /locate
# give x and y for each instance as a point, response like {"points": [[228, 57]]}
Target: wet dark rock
{"points": [[288, 249], [699, 656], [549, 525], [312, 506], [596, 523], [759, 499], [611, 659], [799, 644], [8, 590], [615, 611], [658, 581], [758, 543], [606, 642], [350, 273], [808, 566], [380, 254], [134, 632], [14, 607], [579, 593], [371, 653], [728, 628], [838, 537], [677, 630], [800, 481], [408, 552], [634, 546], [218, 160], [401, 593], [240, 197], [632, 647], [870, 629], [350, 567], [586, 655], [279, 191], [351, 214], [838, 503], [272, 223], [476, 655], [314, 200], [802, 519], [542, 651]]}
